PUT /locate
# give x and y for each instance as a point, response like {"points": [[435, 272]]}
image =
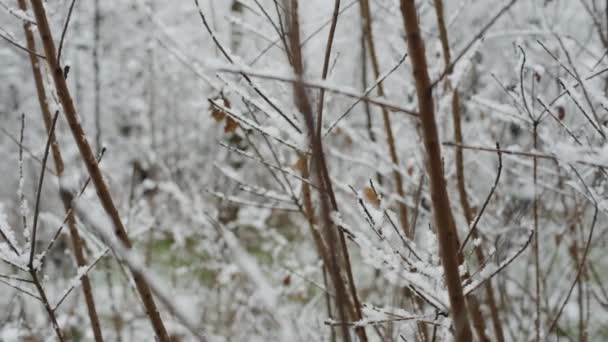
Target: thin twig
{"points": [[19, 46], [323, 85], [65, 30], [472, 42], [245, 76], [24, 291], [581, 266], [26, 149], [39, 192], [485, 203], [522, 154], [328, 46]]}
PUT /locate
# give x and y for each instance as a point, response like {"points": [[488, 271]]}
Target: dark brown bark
{"points": [[47, 306], [347, 301], [535, 241], [446, 232], [474, 307], [59, 167], [90, 161]]}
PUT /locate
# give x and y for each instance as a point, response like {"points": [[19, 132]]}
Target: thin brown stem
{"points": [[330, 41], [59, 167], [388, 127], [446, 232], [245, 76], [39, 191], [347, 301], [90, 161], [96, 76], [474, 307], [581, 265], [536, 247], [470, 44], [47, 305]]}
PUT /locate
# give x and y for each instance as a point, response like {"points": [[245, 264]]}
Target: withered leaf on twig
{"points": [[231, 125], [371, 196], [300, 164]]}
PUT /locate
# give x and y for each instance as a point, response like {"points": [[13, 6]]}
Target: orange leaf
{"points": [[231, 125], [300, 164], [217, 115], [370, 196]]}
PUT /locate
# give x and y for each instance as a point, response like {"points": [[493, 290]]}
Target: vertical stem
{"points": [[47, 306], [366, 105], [388, 128], [347, 301], [322, 250], [87, 289], [116, 319], [91, 163], [330, 41], [96, 76], [497, 325], [316, 234], [474, 307], [446, 232], [582, 335], [59, 167], [536, 253]]}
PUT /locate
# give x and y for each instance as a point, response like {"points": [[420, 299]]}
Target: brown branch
{"points": [[448, 68], [347, 301], [65, 30], [473, 303], [536, 251], [31, 268], [388, 127], [305, 187], [501, 267], [47, 305], [20, 47], [245, 76], [521, 154], [318, 85], [446, 231], [581, 266], [39, 191], [366, 93], [59, 167], [330, 41], [26, 149], [473, 230], [90, 161]]}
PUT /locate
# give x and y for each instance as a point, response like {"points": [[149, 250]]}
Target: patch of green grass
{"points": [[163, 256]]}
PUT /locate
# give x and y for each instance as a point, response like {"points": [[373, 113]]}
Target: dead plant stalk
{"points": [[442, 213], [59, 167], [90, 161]]}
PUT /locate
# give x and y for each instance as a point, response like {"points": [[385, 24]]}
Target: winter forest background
{"points": [[284, 170]]}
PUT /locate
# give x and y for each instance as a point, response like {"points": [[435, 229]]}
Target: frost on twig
{"points": [[423, 279], [17, 13], [509, 247], [134, 260], [7, 233], [75, 282], [264, 289]]}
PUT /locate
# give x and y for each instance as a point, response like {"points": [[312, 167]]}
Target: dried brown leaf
{"points": [[371, 197], [231, 125]]}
